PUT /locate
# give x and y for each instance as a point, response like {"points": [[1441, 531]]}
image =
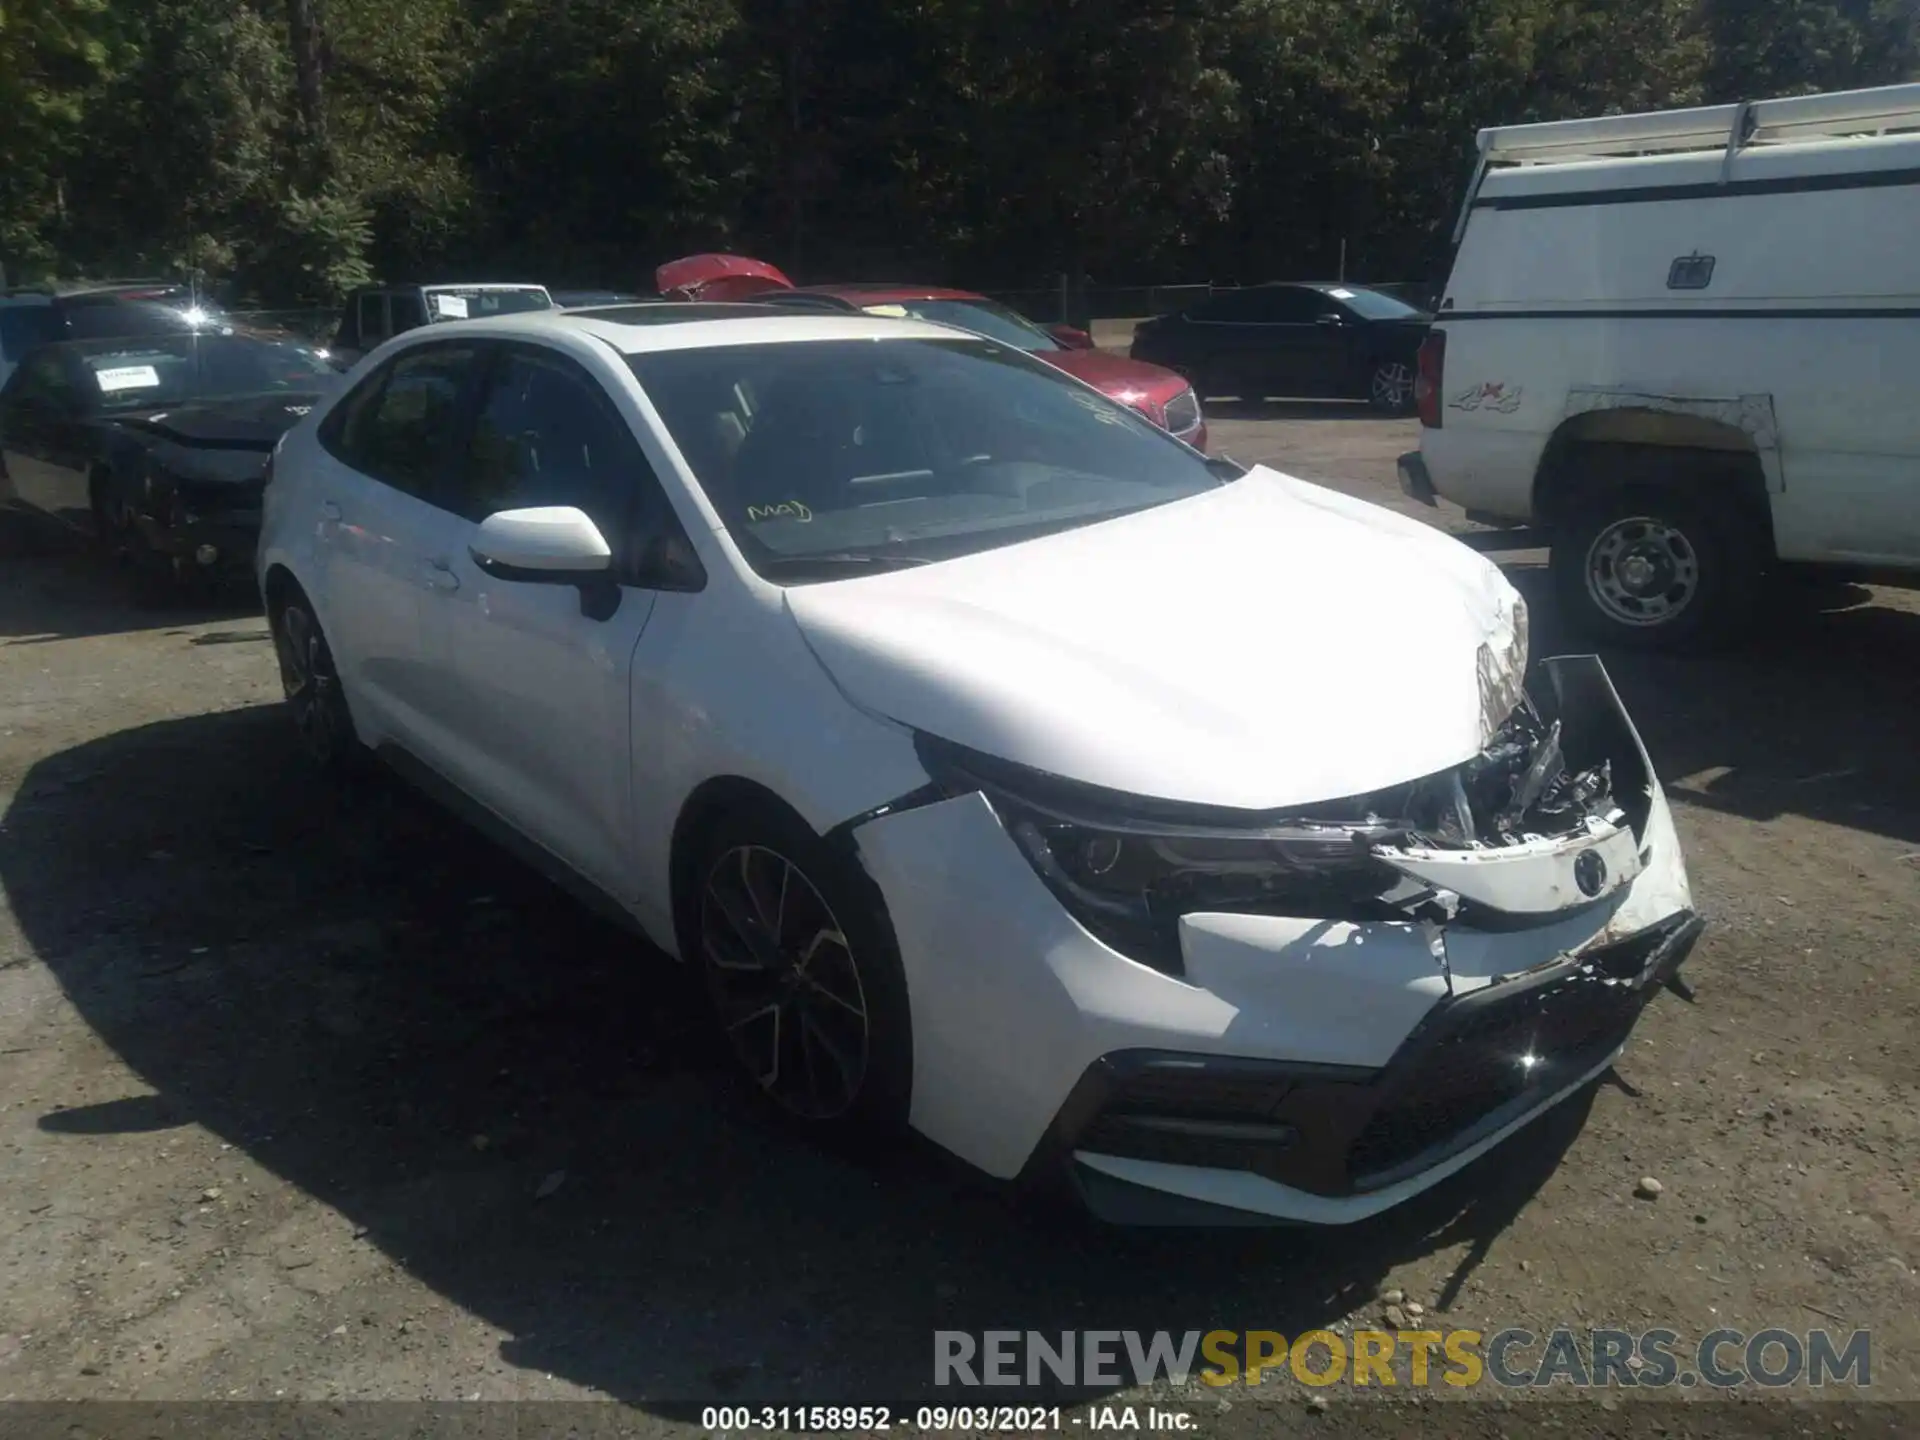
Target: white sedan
{"points": [[1011, 771]]}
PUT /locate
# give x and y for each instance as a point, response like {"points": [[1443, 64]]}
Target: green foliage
{"points": [[294, 147]]}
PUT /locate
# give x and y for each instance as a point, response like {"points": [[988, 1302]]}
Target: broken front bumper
{"points": [[1337, 1067]]}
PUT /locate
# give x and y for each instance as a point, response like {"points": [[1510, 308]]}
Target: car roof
{"points": [[694, 325], [881, 293]]}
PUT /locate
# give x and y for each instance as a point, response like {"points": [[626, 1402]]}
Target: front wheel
{"points": [[1390, 388], [1656, 569], [803, 974]]}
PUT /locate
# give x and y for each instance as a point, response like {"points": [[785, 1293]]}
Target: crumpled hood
{"points": [[1270, 643], [217, 442], [1126, 380], [247, 422]]}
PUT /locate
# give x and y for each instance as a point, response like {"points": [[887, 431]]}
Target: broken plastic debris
{"points": [[552, 1183]]}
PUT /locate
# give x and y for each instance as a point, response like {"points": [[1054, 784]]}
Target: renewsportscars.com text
{"points": [[1512, 1358]]}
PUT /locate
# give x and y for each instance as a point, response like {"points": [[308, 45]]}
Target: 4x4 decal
{"points": [[1491, 396]]}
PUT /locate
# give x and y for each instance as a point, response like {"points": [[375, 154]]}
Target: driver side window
{"points": [[546, 433]]}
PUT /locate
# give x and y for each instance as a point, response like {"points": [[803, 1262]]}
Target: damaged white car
{"points": [[1010, 770]]}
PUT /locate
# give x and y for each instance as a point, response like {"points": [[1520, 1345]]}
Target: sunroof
{"points": [[672, 312]]}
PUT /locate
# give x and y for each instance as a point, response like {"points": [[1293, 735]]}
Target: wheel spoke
{"points": [[794, 1012]]}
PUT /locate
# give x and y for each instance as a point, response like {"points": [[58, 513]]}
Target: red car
{"points": [[1159, 394]]}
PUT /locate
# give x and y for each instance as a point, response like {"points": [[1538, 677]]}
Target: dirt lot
{"points": [[315, 1094]]}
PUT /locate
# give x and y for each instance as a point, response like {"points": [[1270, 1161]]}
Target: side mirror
{"points": [[1071, 336], [548, 544], [1333, 319]]}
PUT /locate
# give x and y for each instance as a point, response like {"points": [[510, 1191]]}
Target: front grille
{"points": [[1183, 412]]}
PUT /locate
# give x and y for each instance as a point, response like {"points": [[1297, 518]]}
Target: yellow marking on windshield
{"points": [[785, 510]]}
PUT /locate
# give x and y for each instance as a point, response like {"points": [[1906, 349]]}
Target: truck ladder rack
{"points": [[1730, 129]]}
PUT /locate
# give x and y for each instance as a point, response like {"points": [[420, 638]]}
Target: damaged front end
{"points": [[1549, 817]]}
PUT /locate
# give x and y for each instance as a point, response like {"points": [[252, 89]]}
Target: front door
{"points": [[540, 670]]}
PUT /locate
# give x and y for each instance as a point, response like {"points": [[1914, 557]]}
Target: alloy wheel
{"points": [[1641, 571], [309, 680], [1392, 386], [785, 982]]}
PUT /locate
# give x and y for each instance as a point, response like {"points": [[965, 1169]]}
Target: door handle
{"points": [[440, 576], [329, 510]]}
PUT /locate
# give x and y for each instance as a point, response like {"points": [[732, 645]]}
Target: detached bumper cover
{"points": [[1478, 1066], [1291, 1068]]}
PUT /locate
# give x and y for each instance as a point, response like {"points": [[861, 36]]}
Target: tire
{"points": [[311, 680], [802, 973], [1390, 387], [1658, 568]]}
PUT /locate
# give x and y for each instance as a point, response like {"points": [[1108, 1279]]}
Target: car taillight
{"points": [[1427, 383]]}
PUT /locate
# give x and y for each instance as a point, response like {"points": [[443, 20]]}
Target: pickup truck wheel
{"points": [[803, 974], [1655, 570]]}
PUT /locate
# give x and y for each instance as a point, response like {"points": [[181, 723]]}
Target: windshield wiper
{"points": [[834, 562]]}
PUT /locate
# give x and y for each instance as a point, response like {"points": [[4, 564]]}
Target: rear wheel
{"points": [[311, 682], [803, 974], [1657, 568], [1390, 388]]}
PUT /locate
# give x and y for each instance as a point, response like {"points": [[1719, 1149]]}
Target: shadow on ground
{"points": [[54, 586], [1812, 715], [351, 987]]}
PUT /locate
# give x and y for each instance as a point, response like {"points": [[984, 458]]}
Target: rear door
{"points": [[1294, 353], [386, 447]]}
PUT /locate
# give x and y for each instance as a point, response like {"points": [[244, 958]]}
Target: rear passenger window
{"points": [[1282, 305], [398, 425]]}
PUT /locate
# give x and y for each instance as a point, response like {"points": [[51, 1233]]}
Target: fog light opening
{"points": [[206, 554]]}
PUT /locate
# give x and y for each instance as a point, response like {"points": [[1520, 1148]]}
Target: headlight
{"points": [[1128, 869]]}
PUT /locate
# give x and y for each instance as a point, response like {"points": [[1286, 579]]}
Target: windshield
{"points": [[1372, 305], [983, 317], [471, 302], [827, 457], [142, 374]]}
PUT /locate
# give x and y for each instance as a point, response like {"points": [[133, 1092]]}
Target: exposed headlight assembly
{"points": [[1128, 868]]}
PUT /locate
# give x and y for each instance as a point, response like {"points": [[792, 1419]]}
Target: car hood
{"points": [[1267, 644], [1125, 380], [249, 422], [216, 441]]}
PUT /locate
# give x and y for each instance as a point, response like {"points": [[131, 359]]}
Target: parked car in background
{"points": [[34, 315], [995, 760], [1339, 341], [156, 444], [1685, 344], [380, 312], [1161, 395]]}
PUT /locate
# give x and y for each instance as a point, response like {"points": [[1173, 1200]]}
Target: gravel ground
{"points": [[313, 1094]]}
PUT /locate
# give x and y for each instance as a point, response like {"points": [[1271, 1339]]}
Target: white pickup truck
{"points": [[1687, 344]]}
